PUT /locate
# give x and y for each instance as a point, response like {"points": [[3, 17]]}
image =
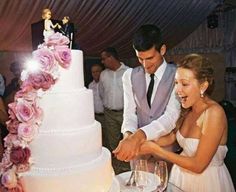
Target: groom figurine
{"points": [[67, 29]]}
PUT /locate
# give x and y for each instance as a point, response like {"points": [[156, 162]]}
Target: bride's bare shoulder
{"points": [[214, 108]]}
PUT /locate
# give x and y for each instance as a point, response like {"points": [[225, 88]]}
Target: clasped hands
{"points": [[127, 149], [132, 146], [58, 25]]}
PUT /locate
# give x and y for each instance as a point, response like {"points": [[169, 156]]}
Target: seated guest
{"points": [[96, 70], [202, 132]]}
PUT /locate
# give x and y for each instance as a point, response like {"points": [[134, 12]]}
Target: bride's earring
{"points": [[201, 94]]}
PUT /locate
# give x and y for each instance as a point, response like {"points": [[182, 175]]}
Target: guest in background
{"points": [[3, 114], [96, 70], [2, 85], [67, 29], [14, 85], [150, 105], [3, 119], [111, 91], [202, 133], [48, 25]]}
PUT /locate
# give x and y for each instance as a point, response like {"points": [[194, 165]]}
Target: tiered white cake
{"points": [[67, 152]]}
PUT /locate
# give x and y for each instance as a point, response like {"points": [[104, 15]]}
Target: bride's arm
{"points": [[166, 140]]}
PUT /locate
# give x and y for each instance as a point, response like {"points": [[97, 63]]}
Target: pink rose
{"points": [[11, 110], [25, 111], [26, 131], [63, 55], [6, 163], [46, 59], [18, 188], [23, 167], [41, 80], [27, 92], [12, 125], [38, 116], [57, 39], [20, 155], [11, 140], [25, 88], [9, 179]]}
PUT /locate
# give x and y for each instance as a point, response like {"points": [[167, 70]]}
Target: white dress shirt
{"points": [[111, 88], [162, 125], [98, 105]]}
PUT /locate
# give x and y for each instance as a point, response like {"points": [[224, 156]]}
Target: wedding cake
{"points": [[68, 153], [65, 153]]}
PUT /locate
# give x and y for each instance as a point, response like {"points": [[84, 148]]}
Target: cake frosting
{"points": [[67, 152]]}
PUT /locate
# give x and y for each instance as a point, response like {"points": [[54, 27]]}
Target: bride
{"points": [[202, 132]]}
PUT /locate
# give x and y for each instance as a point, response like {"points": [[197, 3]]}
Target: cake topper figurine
{"points": [[67, 29], [48, 25]]}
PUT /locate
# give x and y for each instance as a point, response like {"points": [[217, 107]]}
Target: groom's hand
{"points": [[128, 148]]}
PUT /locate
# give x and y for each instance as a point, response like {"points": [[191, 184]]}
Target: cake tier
{"points": [[57, 149], [72, 78], [93, 176], [67, 111]]}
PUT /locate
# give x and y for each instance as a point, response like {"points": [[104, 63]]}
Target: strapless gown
{"points": [[215, 178]]}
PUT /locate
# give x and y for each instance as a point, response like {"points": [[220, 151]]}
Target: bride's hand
{"points": [[148, 147], [58, 25]]}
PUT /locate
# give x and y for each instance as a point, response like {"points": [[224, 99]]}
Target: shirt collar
{"points": [[122, 65], [160, 70]]}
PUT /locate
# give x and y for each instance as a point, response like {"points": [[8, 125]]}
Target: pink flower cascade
{"points": [[25, 115]]}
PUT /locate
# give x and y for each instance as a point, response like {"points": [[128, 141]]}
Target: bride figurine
{"points": [[48, 25]]}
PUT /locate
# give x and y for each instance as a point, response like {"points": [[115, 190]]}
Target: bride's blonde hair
{"points": [[44, 12]]}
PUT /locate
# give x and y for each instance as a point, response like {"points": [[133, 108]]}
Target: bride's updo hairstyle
{"points": [[202, 68], [44, 12]]}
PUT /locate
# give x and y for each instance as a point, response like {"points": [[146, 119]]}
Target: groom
{"points": [[150, 106]]}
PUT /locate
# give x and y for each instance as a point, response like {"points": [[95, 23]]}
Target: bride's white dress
{"points": [[215, 177]]}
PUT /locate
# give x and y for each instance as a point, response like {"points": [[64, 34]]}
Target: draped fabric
{"points": [[230, 38], [217, 43], [218, 40], [102, 23]]}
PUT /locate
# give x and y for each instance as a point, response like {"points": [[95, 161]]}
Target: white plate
{"points": [[153, 182]]}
